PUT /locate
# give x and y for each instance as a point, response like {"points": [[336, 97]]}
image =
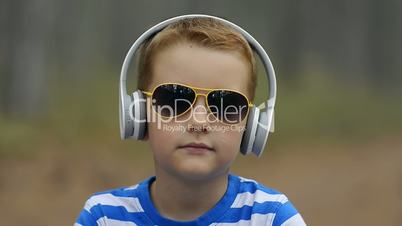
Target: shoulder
{"points": [[251, 192], [126, 197], [268, 203], [106, 207]]}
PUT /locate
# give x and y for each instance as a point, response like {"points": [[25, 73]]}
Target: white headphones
{"points": [[259, 123]]}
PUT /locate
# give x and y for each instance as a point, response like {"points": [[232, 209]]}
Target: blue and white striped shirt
{"points": [[245, 202]]}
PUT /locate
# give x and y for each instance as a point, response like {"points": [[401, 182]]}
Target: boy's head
{"points": [[199, 52], [202, 32]]}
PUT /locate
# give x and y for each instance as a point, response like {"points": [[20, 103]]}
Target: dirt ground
{"points": [[330, 184]]}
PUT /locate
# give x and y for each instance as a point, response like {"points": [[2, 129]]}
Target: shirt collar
{"points": [[207, 218]]}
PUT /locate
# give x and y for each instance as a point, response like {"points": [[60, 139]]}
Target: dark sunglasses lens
{"points": [[228, 106], [172, 99]]}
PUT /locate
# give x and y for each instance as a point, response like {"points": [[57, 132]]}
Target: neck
{"points": [[185, 200]]}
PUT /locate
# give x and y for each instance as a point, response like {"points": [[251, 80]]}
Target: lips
{"points": [[197, 147]]}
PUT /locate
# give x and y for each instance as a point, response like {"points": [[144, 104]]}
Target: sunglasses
{"points": [[174, 99]]}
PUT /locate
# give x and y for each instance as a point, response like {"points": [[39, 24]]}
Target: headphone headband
{"points": [[125, 98]]}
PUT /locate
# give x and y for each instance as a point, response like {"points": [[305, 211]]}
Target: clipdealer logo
{"points": [[203, 118]]}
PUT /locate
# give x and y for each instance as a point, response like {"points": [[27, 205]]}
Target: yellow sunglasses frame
{"points": [[196, 89]]}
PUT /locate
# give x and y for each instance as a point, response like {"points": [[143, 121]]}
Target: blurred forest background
{"points": [[337, 147]]}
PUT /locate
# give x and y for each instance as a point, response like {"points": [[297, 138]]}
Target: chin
{"points": [[198, 172], [195, 172]]}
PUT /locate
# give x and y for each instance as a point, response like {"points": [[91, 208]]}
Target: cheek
{"points": [[158, 137], [234, 137], [229, 142], [164, 137]]}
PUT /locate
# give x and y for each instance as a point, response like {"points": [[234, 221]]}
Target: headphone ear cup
{"points": [[261, 135], [126, 123], [248, 138], [139, 115]]}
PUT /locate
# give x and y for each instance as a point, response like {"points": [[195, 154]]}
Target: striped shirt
{"points": [[244, 203]]}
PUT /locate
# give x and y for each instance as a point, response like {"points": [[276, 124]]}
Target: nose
{"points": [[200, 109], [199, 115]]}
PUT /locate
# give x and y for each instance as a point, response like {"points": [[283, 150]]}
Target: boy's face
{"points": [[196, 66]]}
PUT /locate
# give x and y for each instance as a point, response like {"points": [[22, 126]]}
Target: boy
{"points": [[190, 63]]}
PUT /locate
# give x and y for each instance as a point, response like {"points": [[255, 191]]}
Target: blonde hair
{"points": [[205, 32]]}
